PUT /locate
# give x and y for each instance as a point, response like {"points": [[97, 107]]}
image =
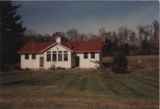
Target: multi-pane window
{"points": [[59, 55], [65, 55], [85, 55], [33, 56], [92, 54], [48, 56], [26, 56], [54, 56]]}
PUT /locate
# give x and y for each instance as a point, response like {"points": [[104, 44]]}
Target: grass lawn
{"points": [[83, 89]]}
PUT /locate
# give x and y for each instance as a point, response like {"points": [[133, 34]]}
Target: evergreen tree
{"points": [[12, 32], [120, 62]]}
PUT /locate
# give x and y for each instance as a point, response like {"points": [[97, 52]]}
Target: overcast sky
{"points": [[86, 16]]}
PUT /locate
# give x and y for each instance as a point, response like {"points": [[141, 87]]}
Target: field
{"points": [[84, 88]]}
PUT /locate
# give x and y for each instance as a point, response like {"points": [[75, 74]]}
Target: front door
{"points": [[77, 61], [41, 62]]}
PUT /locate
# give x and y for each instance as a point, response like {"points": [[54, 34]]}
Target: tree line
{"points": [[143, 42]]}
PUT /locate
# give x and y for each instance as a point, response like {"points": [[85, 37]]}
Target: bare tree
{"points": [[32, 36], [133, 39], [156, 29], [145, 36], [47, 38], [72, 34], [83, 37], [123, 34], [93, 37]]}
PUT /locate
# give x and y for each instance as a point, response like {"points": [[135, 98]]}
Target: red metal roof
{"points": [[36, 47], [84, 46]]}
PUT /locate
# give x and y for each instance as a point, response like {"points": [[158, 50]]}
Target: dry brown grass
{"points": [[134, 58], [148, 62], [143, 65], [144, 57], [112, 102]]}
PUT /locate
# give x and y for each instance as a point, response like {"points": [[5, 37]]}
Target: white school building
{"points": [[35, 55]]}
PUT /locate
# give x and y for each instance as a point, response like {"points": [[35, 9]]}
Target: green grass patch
{"points": [[80, 84], [91, 84]]}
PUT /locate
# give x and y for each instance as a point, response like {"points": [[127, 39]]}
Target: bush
{"points": [[119, 64]]}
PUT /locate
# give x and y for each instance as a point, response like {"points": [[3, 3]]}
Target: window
{"points": [[85, 55], [65, 55], [48, 56], [93, 55], [26, 56], [33, 56], [54, 56], [59, 55]]}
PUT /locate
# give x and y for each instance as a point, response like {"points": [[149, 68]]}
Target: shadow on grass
{"points": [[72, 82], [14, 82], [83, 84], [33, 81], [124, 72], [134, 91]]}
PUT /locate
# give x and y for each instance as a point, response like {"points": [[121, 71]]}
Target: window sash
{"points": [[65, 55], [33, 56], [54, 56], [26, 56], [85, 55], [92, 54], [59, 55], [48, 56]]}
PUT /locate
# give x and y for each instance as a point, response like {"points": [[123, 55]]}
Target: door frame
{"points": [[77, 61], [41, 61]]}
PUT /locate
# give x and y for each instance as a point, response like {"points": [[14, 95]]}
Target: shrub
{"points": [[119, 64]]}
